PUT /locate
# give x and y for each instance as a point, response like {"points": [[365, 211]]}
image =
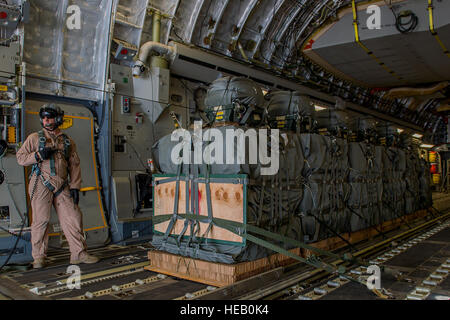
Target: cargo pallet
{"points": [[220, 274]]}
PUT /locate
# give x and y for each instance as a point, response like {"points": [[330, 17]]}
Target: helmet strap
{"points": [[52, 128]]}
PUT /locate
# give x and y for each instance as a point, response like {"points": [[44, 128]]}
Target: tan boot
{"points": [[85, 258], [39, 263]]}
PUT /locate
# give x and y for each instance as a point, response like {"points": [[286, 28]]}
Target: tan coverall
{"points": [[69, 214]]}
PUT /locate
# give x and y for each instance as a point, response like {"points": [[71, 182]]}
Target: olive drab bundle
{"points": [[342, 173]]}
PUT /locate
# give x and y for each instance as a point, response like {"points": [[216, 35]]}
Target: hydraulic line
{"points": [[369, 52], [433, 32]]}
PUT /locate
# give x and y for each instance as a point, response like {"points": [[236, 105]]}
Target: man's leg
{"points": [[41, 203], [70, 217]]}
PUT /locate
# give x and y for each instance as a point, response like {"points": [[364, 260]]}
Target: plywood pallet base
{"points": [[213, 273], [220, 274], [361, 235]]}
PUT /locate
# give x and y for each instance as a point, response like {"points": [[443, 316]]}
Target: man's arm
{"points": [[74, 168], [28, 154]]}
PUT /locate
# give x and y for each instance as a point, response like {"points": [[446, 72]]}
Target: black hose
{"points": [[406, 26], [11, 251]]}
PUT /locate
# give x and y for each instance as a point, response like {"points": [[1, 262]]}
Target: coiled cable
{"points": [[408, 25]]}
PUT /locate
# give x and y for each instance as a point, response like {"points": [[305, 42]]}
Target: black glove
{"points": [[75, 194], [46, 153]]}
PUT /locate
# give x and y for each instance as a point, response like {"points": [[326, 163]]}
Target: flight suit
{"points": [[42, 198]]}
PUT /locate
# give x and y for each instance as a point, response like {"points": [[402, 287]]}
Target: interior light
{"points": [[400, 130], [424, 145], [417, 135], [318, 108]]}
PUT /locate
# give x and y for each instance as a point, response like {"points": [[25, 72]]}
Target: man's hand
{"points": [[75, 194], [46, 153]]}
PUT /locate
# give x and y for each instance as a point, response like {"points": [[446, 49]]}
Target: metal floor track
{"points": [[413, 267], [415, 270], [118, 275]]}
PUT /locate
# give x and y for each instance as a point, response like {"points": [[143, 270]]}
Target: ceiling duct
{"points": [[413, 92]]}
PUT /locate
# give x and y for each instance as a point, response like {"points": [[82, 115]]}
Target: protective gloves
{"points": [[46, 153], [75, 194]]}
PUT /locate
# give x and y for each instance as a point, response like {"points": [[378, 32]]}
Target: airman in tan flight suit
{"points": [[54, 158]]}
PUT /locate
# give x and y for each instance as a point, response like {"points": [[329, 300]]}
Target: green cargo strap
{"points": [[232, 226], [240, 229], [312, 260], [195, 225], [208, 202], [189, 184], [203, 237], [175, 206], [194, 204], [161, 218], [315, 263], [186, 190], [237, 228]]}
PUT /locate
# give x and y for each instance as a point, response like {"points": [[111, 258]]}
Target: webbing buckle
{"points": [[48, 184]]}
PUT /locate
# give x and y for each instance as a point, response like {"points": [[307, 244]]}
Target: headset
{"points": [[51, 110]]}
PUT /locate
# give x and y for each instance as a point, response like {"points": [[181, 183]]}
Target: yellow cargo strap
{"points": [[370, 53], [433, 32]]}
